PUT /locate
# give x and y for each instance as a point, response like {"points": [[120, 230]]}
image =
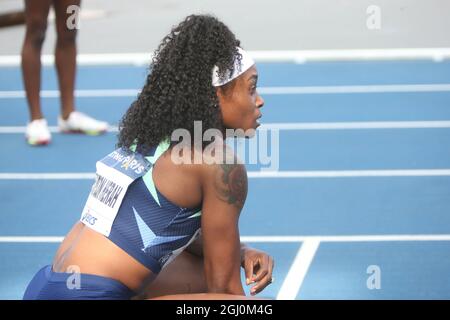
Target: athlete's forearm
{"points": [[196, 248]]}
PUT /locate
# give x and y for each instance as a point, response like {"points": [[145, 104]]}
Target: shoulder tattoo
{"points": [[231, 184]]}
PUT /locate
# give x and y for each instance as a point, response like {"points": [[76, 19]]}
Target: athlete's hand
{"points": [[258, 267]]}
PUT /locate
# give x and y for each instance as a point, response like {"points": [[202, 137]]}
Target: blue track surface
{"points": [[388, 205]]}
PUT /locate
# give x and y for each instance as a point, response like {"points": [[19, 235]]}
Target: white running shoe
{"points": [[82, 123], [37, 133]]}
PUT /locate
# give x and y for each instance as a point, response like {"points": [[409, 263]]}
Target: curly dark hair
{"points": [[178, 88]]}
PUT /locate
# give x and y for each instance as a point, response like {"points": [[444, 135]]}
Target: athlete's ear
{"points": [[221, 93], [221, 96]]}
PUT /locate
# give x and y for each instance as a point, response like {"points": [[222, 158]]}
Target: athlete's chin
{"points": [[251, 132], [254, 127]]}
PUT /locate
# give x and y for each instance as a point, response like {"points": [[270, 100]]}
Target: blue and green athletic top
{"points": [[148, 226]]}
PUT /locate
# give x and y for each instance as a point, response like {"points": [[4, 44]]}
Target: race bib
{"points": [[114, 174]]}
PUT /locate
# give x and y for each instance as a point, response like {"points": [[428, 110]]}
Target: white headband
{"points": [[246, 63]]}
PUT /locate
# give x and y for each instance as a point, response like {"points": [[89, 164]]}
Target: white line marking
{"points": [[349, 238], [356, 125], [349, 173], [78, 93], [298, 56], [282, 239], [31, 239], [389, 88], [47, 176], [53, 129], [300, 126], [253, 174], [438, 87], [294, 279], [301, 56]]}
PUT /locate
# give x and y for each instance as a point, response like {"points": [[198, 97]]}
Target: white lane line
{"points": [[349, 173], [78, 93], [251, 174], [299, 56], [349, 238], [357, 89], [31, 239], [53, 129], [438, 87], [294, 279], [280, 239], [47, 176], [300, 126], [356, 125]]}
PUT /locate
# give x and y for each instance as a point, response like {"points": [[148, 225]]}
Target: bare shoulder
{"points": [[226, 175], [230, 182]]}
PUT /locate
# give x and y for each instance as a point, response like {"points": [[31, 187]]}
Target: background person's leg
{"points": [[65, 60], [65, 55], [36, 13]]}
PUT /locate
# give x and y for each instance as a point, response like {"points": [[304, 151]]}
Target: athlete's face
{"points": [[240, 102]]}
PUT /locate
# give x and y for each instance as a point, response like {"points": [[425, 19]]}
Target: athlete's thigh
{"points": [[184, 275]]}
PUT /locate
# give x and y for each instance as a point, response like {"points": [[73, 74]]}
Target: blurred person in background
{"points": [[70, 120]]}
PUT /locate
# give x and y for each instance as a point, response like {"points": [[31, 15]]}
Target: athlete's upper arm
{"points": [[224, 194]]}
